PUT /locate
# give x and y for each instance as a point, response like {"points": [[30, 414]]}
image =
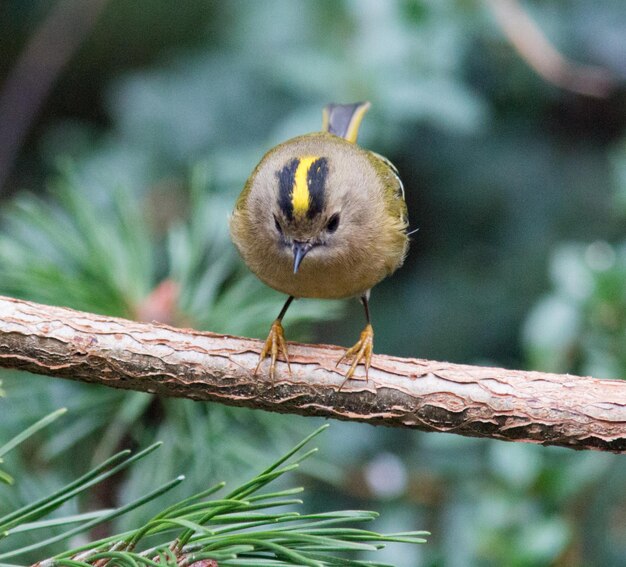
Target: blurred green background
{"points": [[128, 128]]}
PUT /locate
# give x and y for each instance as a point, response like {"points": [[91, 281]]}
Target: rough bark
{"points": [[550, 409]]}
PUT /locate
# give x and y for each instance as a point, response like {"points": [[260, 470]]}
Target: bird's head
{"points": [[305, 216]]}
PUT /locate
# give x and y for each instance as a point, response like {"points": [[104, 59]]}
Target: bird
{"points": [[321, 217]]}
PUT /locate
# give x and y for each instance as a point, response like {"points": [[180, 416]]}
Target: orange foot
{"points": [[360, 352], [274, 343]]}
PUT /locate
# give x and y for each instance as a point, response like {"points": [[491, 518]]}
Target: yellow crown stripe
{"points": [[300, 196]]}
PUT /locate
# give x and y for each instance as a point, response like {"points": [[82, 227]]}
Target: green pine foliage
{"points": [[241, 527], [103, 252]]}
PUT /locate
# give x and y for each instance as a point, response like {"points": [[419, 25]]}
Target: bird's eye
{"points": [[333, 223], [278, 227]]}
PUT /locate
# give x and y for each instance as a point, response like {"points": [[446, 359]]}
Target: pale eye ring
{"points": [[333, 223]]}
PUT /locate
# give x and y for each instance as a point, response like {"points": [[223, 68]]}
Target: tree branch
{"points": [[534, 47], [550, 409], [37, 69]]}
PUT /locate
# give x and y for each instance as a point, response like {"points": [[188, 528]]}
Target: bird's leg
{"points": [[362, 350], [275, 342]]}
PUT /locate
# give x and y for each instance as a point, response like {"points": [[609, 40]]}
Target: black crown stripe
{"points": [[286, 178], [316, 181]]}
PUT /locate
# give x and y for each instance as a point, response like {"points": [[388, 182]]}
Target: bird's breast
{"points": [[326, 277]]}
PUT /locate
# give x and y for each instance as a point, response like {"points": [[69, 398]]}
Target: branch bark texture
{"points": [[550, 409]]}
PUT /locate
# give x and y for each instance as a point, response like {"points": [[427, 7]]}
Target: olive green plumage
{"points": [[322, 217]]}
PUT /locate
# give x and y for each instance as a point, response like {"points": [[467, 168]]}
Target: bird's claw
{"points": [[274, 344], [360, 352]]}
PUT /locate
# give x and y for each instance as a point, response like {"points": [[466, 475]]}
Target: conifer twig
{"points": [[550, 409]]}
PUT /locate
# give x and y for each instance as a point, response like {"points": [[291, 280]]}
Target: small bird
{"points": [[322, 217]]}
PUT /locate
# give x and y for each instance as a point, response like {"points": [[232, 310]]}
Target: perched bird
{"points": [[321, 217]]}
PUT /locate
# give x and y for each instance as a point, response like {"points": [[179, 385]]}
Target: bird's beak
{"points": [[300, 250]]}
